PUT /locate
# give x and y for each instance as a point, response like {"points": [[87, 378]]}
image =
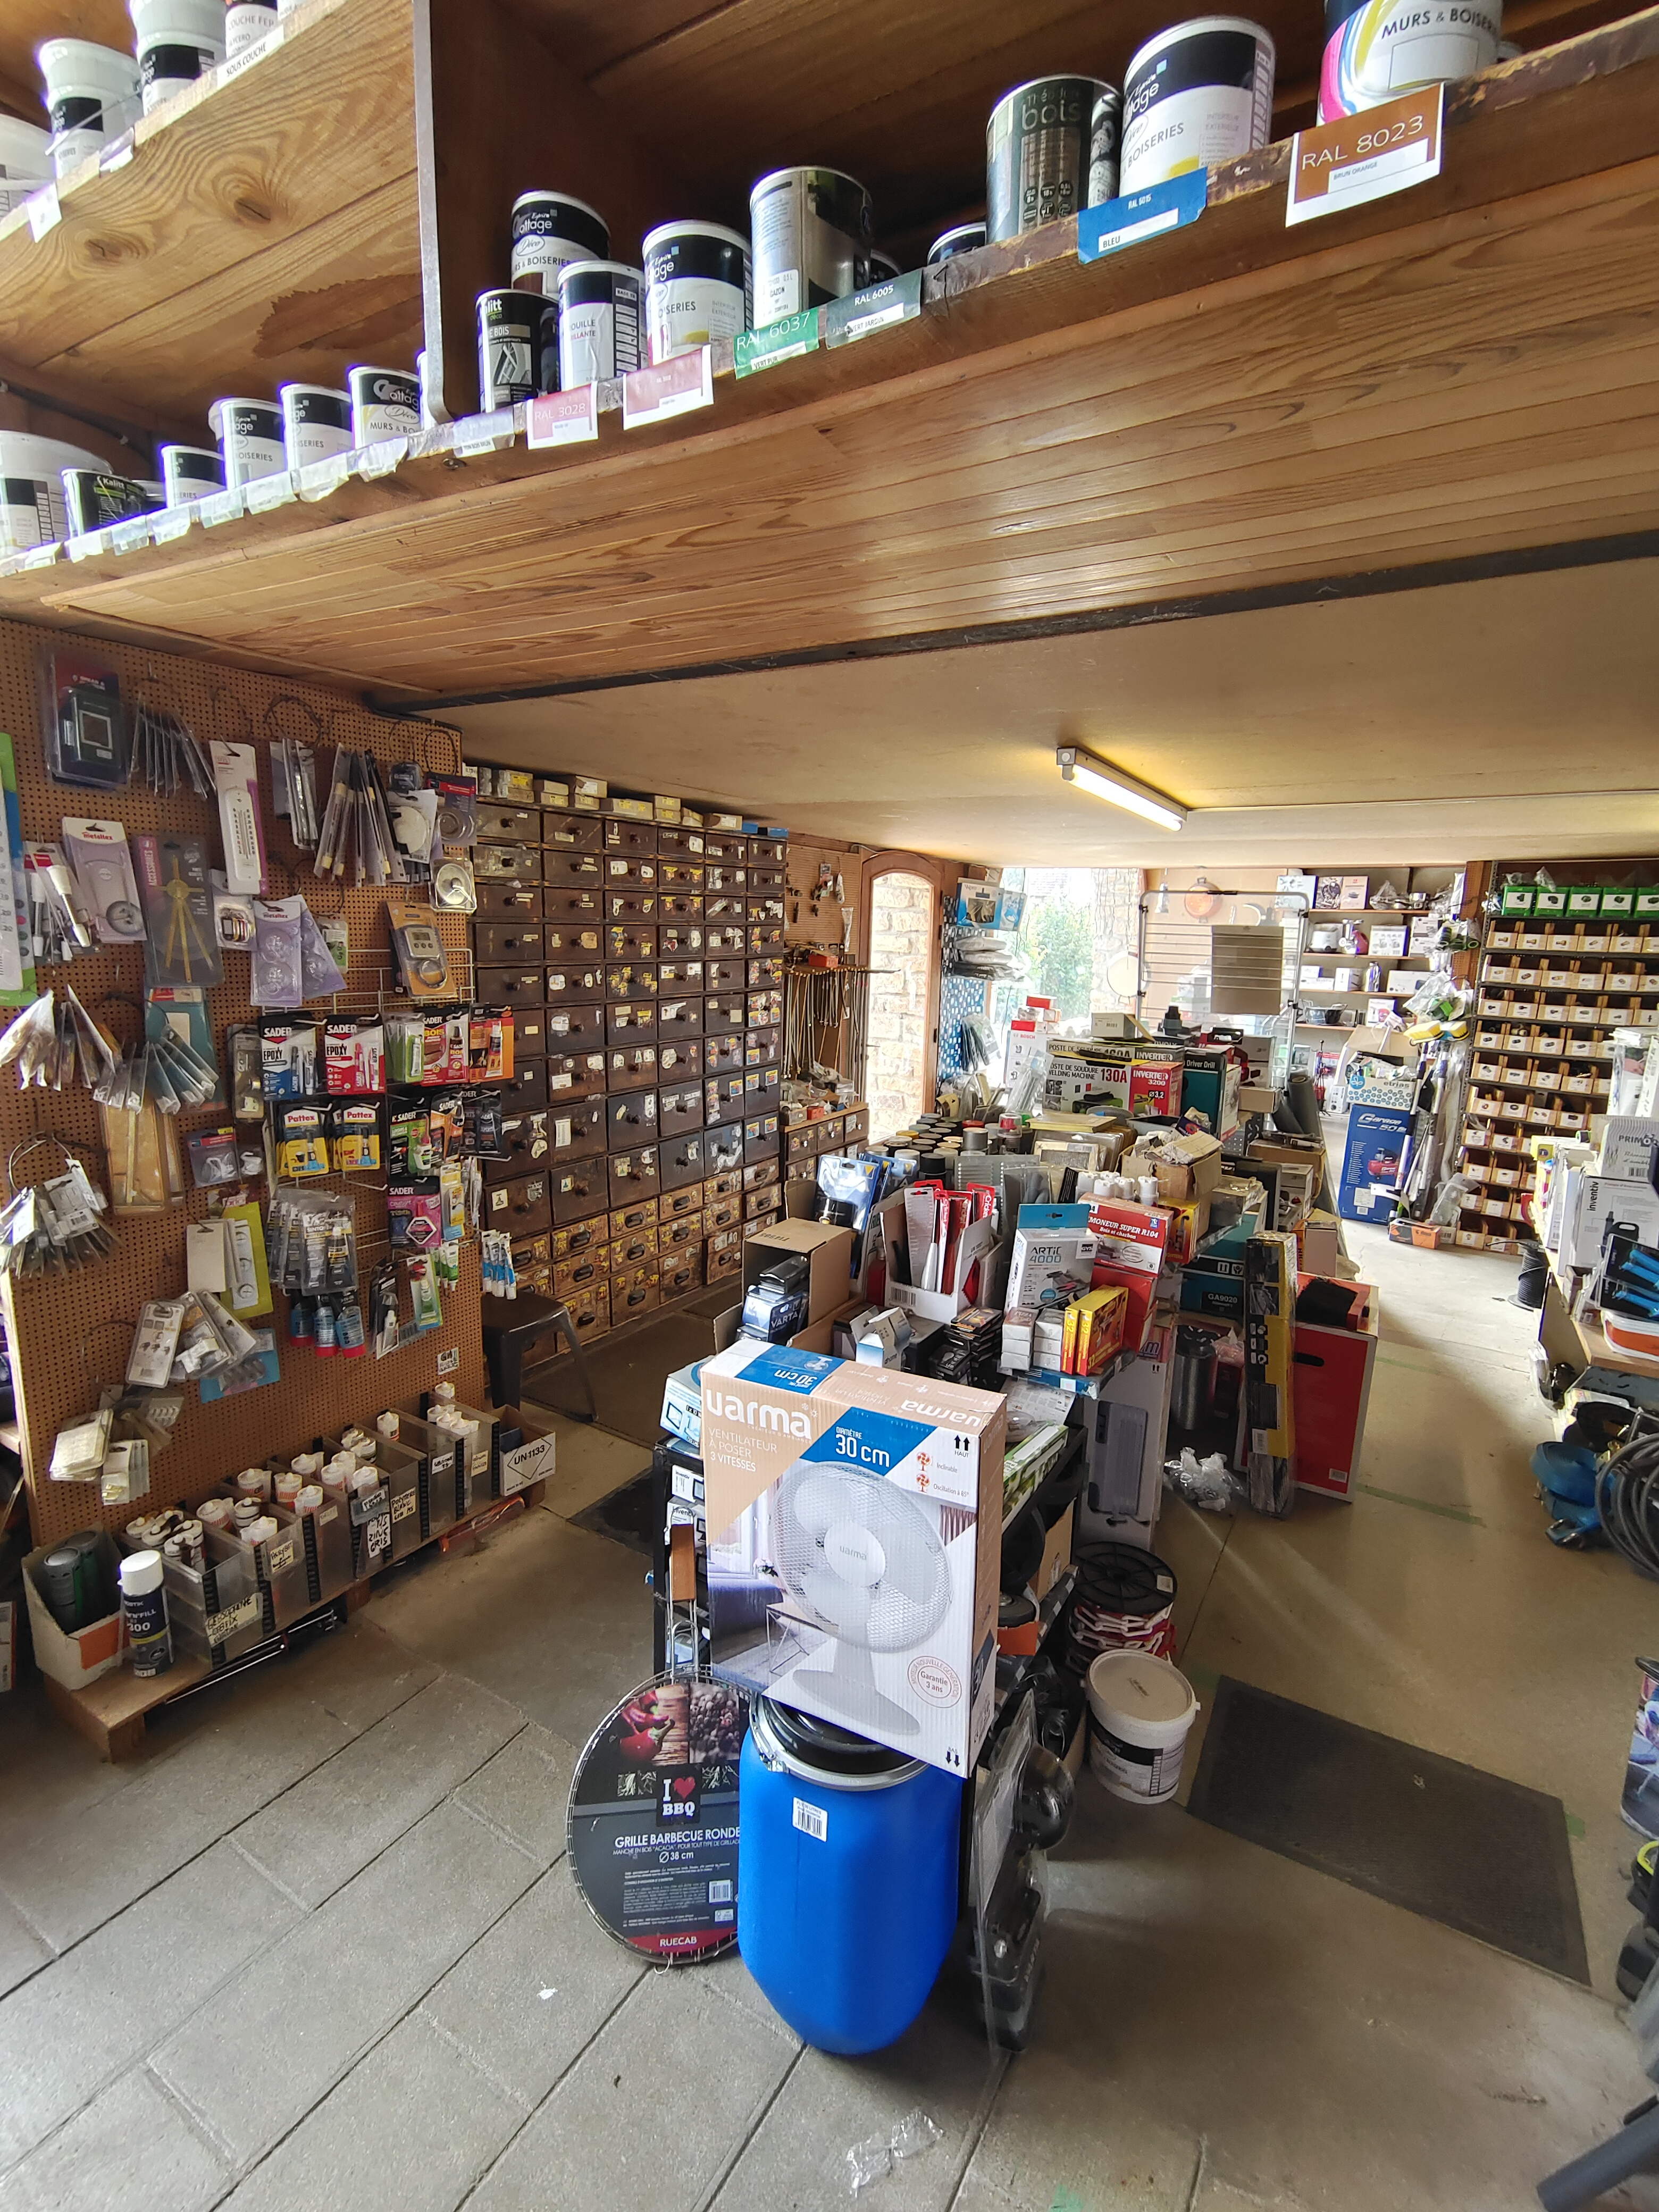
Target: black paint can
{"points": [[509, 347], [1050, 150]]}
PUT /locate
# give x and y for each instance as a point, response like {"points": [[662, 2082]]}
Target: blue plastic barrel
{"points": [[847, 1877]]}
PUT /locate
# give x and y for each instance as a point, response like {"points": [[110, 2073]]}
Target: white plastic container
{"points": [[179, 40], [246, 22], [385, 403], [1194, 96], [250, 435], [191, 473], [549, 230], [1382, 48], [1140, 1710], [91, 94], [598, 322], [32, 506], [316, 422], [697, 286], [25, 161]]}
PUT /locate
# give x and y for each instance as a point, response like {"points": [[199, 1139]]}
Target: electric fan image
{"points": [[866, 1560]]}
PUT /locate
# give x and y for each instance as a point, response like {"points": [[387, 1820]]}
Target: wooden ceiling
{"points": [[1508, 718]]}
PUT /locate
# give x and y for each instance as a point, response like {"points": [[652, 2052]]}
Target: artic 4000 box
{"points": [[854, 1543]]}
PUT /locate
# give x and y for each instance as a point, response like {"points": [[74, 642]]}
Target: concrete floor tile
{"points": [[317, 1834], [553, 1618], [796, 2160], [65, 1777], [21, 1951], [590, 1463], [492, 2001], [1063, 2137], [132, 2146], [653, 2112], [409, 2129], [300, 2017], [525, 1791], [733, 1980], [90, 2014], [359, 1673]]}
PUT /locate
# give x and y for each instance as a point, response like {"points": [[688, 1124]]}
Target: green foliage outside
{"points": [[1059, 941]]}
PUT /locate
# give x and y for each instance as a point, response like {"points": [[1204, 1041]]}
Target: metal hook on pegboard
{"points": [[245, 732], [458, 757], [319, 729], [97, 1329], [31, 1144]]}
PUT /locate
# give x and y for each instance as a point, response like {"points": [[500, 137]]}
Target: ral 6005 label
{"points": [[812, 1821]]}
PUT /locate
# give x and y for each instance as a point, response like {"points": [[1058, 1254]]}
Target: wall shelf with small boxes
{"points": [[1551, 990]]}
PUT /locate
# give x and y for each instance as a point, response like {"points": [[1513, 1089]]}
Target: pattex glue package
{"points": [[854, 1544]]}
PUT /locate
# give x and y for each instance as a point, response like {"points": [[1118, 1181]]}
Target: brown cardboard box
{"points": [[1187, 1168]]}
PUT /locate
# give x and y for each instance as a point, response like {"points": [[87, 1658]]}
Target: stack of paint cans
{"points": [[1124, 1601]]}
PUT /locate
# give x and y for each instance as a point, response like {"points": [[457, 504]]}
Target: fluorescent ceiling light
{"points": [[1117, 789]]}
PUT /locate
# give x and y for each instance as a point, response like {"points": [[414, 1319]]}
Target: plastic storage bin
{"points": [[847, 1878]]}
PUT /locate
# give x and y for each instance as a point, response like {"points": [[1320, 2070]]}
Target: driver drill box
{"points": [[855, 1544]]}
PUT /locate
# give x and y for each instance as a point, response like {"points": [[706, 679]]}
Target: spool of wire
{"points": [[1627, 1498], [1124, 1601]]}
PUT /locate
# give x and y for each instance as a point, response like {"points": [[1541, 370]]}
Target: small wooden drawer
{"points": [[686, 1201], [635, 840], [571, 833], [761, 1047], [632, 1022], [728, 1184], [681, 1164], [507, 944], [675, 843], [724, 975], [524, 1090], [633, 1247], [680, 938], [631, 1119], [761, 1089], [506, 864], [722, 1052], [573, 902], [585, 1237], [721, 1212], [679, 979], [725, 845], [764, 909], [625, 874], [524, 1148], [722, 1011], [592, 1269], [723, 1096], [573, 870], [681, 906], [722, 1150], [631, 1068], [680, 1231], [727, 940], [575, 1129], [521, 1207], [680, 1017], [633, 1294], [769, 851], [638, 1213], [680, 1058], [531, 1269], [630, 906], [681, 1275], [575, 985], [829, 1131], [680, 1109], [758, 1222], [765, 1010], [724, 906], [575, 1029], [630, 940], [856, 1125], [801, 1142], [589, 1309], [571, 944], [766, 974], [680, 875], [765, 877], [725, 879], [529, 1034], [763, 936], [760, 1142], [574, 1075], [508, 825], [509, 987], [634, 1175], [504, 902], [634, 979]]}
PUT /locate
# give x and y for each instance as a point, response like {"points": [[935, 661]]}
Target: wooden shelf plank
{"points": [[1463, 372]]}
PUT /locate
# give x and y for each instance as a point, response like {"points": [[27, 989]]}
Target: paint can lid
{"points": [[665, 231], [1178, 34], [572, 268], [141, 1573], [809, 169]]}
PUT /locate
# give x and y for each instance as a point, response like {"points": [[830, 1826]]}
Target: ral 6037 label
{"points": [[812, 1821]]}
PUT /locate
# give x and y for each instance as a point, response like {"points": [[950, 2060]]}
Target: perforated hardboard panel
{"points": [[68, 1332]]}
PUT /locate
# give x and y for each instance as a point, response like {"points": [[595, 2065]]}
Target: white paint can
{"points": [[1141, 1708], [811, 230], [316, 422], [966, 238], [91, 94], [549, 230], [179, 40], [385, 403], [1375, 50], [190, 472], [246, 22], [1195, 96], [250, 435], [598, 322], [697, 286], [31, 509], [25, 161]]}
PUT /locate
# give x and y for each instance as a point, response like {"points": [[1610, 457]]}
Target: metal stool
{"points": [[524, 1320]]}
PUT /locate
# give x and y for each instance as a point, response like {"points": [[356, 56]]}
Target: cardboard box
{"points": [[1628, 1145], [1125, 1430], [1053, 1252], [1132, 1246], [1056, 1556], [1602, 1201], [1210, 1080], [1269, 1348], [1370, 1161], [85, 1653], [829, 1251], [1155, 1087], [1331, 1390], [1319, 1242], [854, 1544], [1187, 1167]]}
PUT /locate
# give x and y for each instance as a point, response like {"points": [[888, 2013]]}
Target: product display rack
{"points": [[1552, 991]]}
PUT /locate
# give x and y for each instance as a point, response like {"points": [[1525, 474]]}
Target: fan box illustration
{"points": [[846, 1573]]}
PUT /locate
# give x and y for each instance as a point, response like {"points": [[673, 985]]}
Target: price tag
{"points": [[86, 547], [1365, 157], [675, 388], [380, 458], [222, 1627], [562, 418], [377, 1538], [127, 536], [449, 1361], [229, 71], [1117, 223], [173, 523], [220, 506], [319, 478], [897, 301], [788, 338], [115, 152], [45, 213], [265, 492], [482, 434], [41, 557]]}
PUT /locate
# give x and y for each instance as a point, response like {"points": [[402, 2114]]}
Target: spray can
{"points": [[144, 1604]]}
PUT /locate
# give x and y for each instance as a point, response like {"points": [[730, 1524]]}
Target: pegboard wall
{"points": [[69, 1332]]}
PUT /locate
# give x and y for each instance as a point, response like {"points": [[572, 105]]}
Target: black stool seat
{"points": [[523, 1321]]}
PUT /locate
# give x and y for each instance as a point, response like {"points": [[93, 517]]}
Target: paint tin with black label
{"points": [[190, 472], [598, 322], [1050, 150], [811, 230], [165, 70], [697, 286], [509, 347], [883, 268], [246, 23], [385, 403], [250, 435], [94, 498], [143, 1602], [91, 94], [1195, 96], [316, 422], [966, 238], [549, 230]]}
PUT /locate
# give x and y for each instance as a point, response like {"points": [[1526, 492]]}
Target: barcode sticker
{"points": [[720, 1892], [812, 1821]]}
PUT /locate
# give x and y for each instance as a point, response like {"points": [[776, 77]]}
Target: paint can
{"points": [[91, 94], [882, 268], [385, 403], [1194, 96], [509, 347], [25, 161], [1140, 1710], [144, 1606], [697, 286], [549, 229], [811, 230], [250, 435], [597, 318], [94, 498], [179, 40], [190, 472], [31, 509], [247, 21], [1043, 159], [966, 238], [1375, 50], [316, 422]]}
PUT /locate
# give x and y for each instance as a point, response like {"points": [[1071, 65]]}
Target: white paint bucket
{"points": [[385, 403], [316, 422], [25, 161], [91, 94], [250, 435], [190, 472], [1195, 96], [697, 286], [966, 238], [179, 40], [598, 322], [247, 21], [32, 508], [1141, 1708], [811, 230], [1375, 50], [549, 230]]}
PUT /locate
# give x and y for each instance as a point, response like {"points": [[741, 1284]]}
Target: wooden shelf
{"points": [[1451, 375], [266, 228]]}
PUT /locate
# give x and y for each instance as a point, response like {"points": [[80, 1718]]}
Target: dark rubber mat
{"points": [[1469, 1850], [627, 1516], [627, 1375]]}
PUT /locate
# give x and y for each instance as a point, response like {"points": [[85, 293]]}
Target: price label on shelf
{"points": [[173, 523], [45, 212], [319, 478], [562, 418], [788, 338], [127, 536], [1117, 223], [674, 387], [482, 434], [380, 458], [1365, 157], [265, 492], [875, 308]]}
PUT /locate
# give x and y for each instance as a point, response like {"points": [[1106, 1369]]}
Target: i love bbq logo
{"points": [[679, 1797]]}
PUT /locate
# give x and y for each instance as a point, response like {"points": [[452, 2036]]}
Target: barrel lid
{"points": [[1140, 1686], [819, 1750]]}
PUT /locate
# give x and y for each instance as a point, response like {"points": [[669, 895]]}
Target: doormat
{"points": [[626, 1376], [627, 1516], [1487, 1856]]}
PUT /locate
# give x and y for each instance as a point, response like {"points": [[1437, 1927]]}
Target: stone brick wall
{"points": [[902, 934]]}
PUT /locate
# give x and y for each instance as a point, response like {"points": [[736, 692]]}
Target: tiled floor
{"points": [[320, 1949]]}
